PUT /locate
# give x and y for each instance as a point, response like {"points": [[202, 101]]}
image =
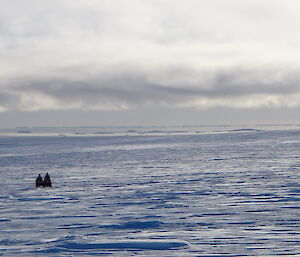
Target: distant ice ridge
{"points": [[142, 130]]}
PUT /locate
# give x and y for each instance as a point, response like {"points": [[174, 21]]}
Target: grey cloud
{"points": [[128, 91], [8, 101]]}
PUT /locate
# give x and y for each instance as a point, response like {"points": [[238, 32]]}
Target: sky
{"points": [[149, 62]]}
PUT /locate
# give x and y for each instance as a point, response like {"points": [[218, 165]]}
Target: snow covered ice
{"points": [[198, 194]]}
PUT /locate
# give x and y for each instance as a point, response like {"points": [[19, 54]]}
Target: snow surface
{"points": [[219, 194]]}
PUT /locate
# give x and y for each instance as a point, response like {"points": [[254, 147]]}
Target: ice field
{"points": [[227, 193]]}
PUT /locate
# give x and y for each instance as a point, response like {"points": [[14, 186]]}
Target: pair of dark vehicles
{"points": [[46, 182]]}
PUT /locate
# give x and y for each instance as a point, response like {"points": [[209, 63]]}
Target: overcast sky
{"points": [[135, 62]]}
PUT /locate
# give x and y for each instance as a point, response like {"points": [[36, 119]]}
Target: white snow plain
{"points": [[219, 194]]}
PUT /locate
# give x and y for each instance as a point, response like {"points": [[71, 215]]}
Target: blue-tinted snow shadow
{"points": [[131, 225], [135, 225], [125, 245]]}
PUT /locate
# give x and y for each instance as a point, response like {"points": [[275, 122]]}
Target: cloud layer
{"points": [[116, 55]]}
